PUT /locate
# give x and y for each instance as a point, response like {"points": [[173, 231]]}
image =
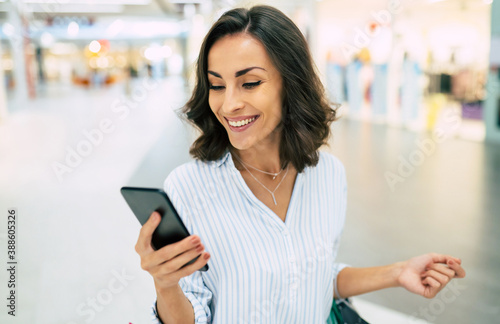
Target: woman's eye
{"points": [[251, 85], [216, 88]]}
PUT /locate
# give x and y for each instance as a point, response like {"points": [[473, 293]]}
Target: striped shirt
{"points": [[262, 270]]}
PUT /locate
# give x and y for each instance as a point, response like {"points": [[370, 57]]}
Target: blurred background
{"points": [[90, 92]]}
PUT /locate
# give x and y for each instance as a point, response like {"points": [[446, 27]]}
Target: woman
{"points": [[267, 204]]}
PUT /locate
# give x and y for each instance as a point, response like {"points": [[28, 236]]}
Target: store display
{"points": [[379, 90], [410, 91], [354, 91], [472, 110], [335, 82]]}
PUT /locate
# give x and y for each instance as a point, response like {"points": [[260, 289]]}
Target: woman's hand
{"points": [[165, 264], [427, 274]]}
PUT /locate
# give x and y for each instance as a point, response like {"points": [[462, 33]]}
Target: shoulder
{"points": [[329, 171], [187, 173], [329, 162], [196, 174]]}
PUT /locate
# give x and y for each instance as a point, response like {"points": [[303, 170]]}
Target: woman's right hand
{"points": [[165, 264]]}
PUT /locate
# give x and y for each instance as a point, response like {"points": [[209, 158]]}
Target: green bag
{"points": [[343, 312]]}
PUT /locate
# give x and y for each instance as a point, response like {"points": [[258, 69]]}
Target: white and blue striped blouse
{"points": [[262, 270]]}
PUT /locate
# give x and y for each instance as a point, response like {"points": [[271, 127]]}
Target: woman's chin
{"points": [[241, 145]]}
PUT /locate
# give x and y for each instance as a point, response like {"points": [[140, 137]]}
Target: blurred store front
{"points": [[92, 48], [421, 64]]}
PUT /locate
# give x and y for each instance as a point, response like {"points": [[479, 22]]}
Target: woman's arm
{"points": [[173, 306], [358, 281], [424, 275]]}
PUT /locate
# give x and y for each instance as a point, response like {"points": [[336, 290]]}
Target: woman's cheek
{"points": [[213, 105]]}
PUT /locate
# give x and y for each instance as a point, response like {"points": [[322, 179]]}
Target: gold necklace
{"points": [[271, 192], [265, 172]]}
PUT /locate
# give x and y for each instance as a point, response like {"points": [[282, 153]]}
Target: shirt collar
{"points": [[217, 163]]}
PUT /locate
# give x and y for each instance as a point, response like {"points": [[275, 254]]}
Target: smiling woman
{"points": [[267, 204], [254, 55]]}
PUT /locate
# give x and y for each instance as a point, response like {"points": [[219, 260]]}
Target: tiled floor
{"points": [[76, 255]]}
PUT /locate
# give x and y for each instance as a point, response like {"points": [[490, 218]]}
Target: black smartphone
{"points": [[143, 202]]}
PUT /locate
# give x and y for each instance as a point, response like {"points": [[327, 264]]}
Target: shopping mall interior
{"points": [[91, 93]]}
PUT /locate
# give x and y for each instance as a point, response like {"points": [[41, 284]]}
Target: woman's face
{"points": [[245, 91]]}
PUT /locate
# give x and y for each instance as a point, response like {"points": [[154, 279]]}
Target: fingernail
{"points": [[206, 256], [194, 239]]}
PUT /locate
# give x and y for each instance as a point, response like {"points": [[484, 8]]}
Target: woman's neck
{"points": [[265, 159]]}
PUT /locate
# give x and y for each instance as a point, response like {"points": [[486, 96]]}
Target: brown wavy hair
{"points": [[306, 112]]}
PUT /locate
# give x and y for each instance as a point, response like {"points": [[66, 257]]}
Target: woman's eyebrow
{"points": [[238, 73], [214, 74]]}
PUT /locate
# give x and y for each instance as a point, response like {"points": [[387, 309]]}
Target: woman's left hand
{"points": [[427, 274]]}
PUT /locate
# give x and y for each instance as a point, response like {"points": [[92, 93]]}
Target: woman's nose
{"points": [[233, 100]]}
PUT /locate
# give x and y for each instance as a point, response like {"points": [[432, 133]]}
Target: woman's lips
{"points": [[243, 127]]}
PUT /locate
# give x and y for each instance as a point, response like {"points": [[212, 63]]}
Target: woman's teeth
{"points": [[241, 122]]}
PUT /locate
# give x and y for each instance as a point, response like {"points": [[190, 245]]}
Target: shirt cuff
{"points": [[156, 318], [200, 315]]}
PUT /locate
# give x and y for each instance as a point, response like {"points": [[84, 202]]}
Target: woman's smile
{"points": [[242, 123]]}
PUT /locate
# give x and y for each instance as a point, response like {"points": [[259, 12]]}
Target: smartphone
{"points": [[145, 201]]}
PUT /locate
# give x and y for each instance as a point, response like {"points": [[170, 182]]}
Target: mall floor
{"points": [[64, 156]]}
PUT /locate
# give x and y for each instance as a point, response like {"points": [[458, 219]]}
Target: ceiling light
{"points": [[94, 46], [73, 29], [46, 40]]}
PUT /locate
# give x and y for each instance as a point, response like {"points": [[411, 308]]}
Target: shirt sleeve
{"points": [[199, 295]]}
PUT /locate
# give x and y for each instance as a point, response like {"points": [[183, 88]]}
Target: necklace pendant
{"points": [[275, 203], [275, 176]]}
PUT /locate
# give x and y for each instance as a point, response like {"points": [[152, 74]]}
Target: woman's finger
{"points": [[178, 262], [438, 276], [459, 271], [442, 268], [429, 281], [170, 251], [143, 244], [195, 266]]}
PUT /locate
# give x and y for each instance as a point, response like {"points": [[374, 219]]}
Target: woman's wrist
{"points": [[167, 291], [397, 269]]}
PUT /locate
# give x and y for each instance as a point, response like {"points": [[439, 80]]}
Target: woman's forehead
{"points": [[236, 52]]}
